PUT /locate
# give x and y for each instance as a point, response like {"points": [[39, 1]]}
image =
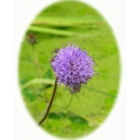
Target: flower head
{"points": [[73, 67], [31, 39]]}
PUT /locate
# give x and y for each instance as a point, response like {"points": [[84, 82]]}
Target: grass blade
{"points": [[37, 81], [66, 21], [51, 31]]}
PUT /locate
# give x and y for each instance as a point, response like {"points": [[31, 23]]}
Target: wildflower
{"points": [[73, 67]]}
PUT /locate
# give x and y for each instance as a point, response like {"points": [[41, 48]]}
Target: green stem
{"points": [[36, 60], [50, 104]]}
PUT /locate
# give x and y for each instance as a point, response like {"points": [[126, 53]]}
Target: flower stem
{"points": [[36, 59], [50, 104]]}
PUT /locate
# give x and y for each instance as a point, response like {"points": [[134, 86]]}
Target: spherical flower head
{"points": [[73, 67]]}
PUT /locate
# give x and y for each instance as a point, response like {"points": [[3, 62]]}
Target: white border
{"points": [[114, 126]]}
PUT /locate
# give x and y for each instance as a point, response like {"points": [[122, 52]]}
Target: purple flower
{"points": [[73, 67]]}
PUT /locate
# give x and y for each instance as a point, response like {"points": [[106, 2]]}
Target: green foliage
{"points": [[59, 115], [78, 120], [48, 74], [29, 95], [71, 115]]}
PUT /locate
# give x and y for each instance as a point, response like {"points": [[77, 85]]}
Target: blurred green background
{"points": [[71, 115]]}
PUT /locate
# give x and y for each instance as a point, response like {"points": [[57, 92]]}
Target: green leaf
{"points": [[23, 81], [66, 21], [37, 81], [51, 31], [59, 115], [29, 94], [48, 74], [78, 120]]}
